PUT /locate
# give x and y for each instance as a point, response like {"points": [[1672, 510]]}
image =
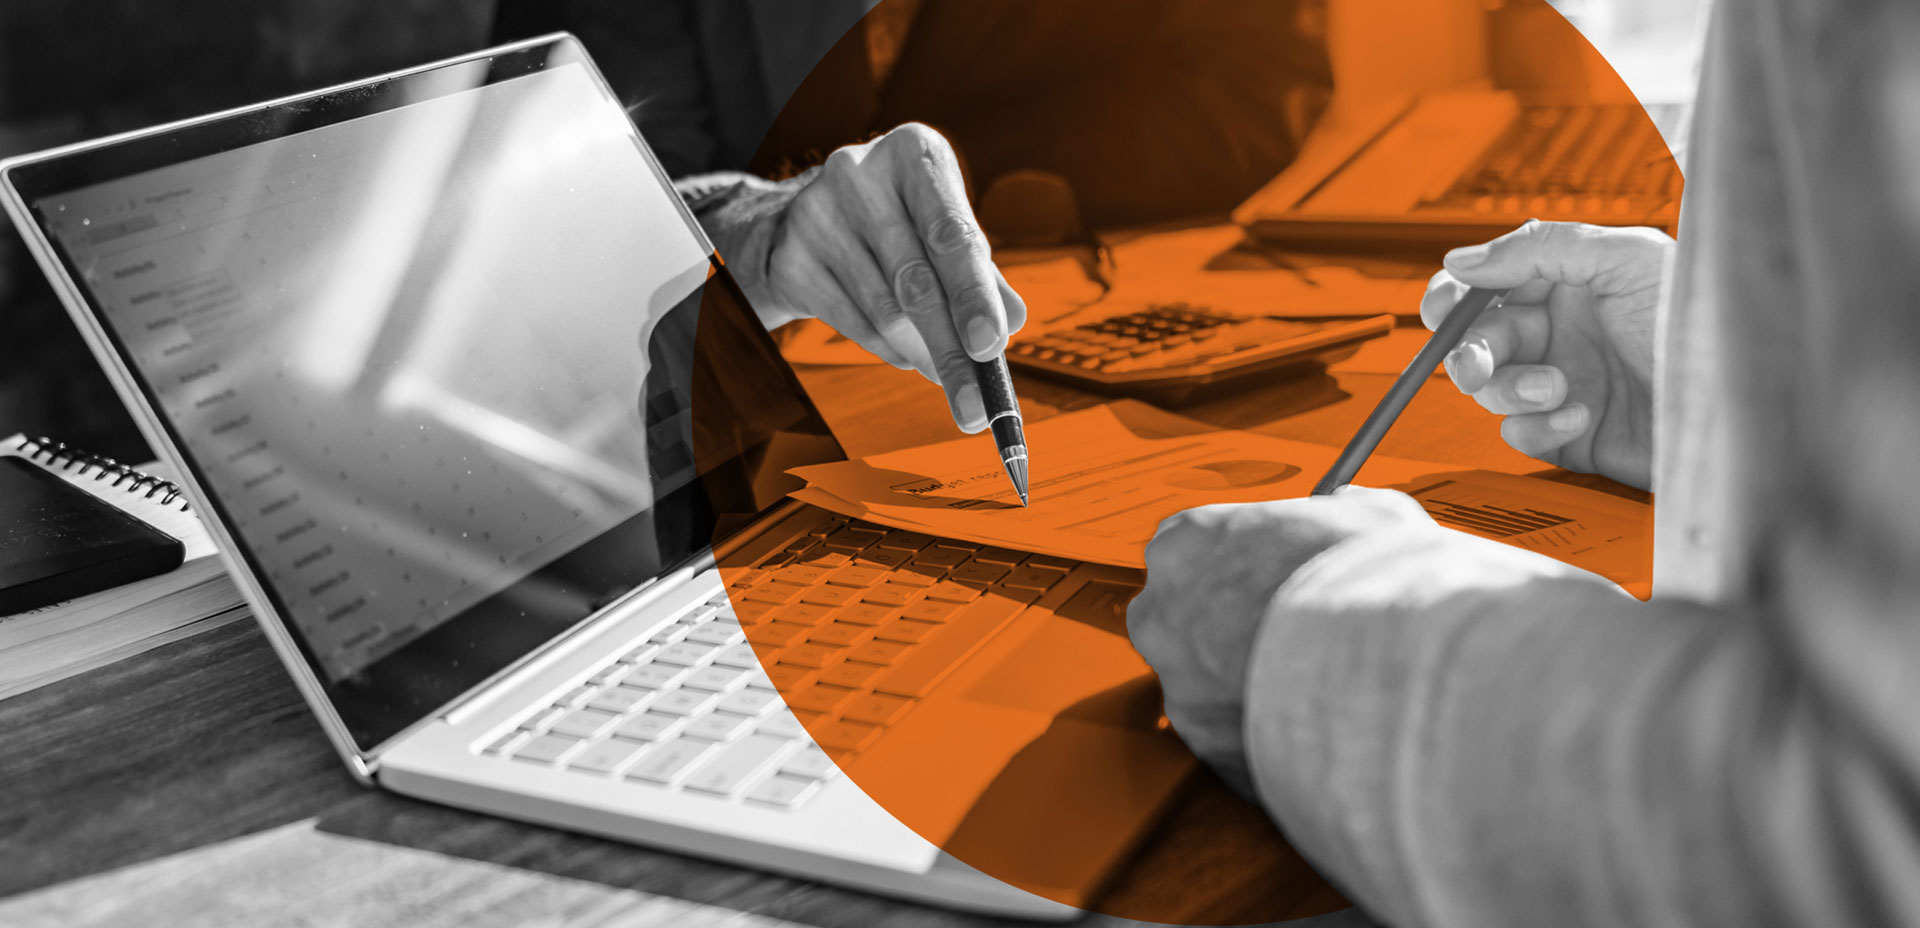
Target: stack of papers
{"points": [[44, 645], [1104, 478]]}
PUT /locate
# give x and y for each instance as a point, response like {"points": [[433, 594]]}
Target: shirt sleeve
{"points": [[1461, 733]]}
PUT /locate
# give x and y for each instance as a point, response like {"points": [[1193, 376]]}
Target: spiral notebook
{"points": [[52, 642]]}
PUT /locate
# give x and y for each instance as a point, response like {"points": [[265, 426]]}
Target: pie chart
{"points": [[1230, 475]]}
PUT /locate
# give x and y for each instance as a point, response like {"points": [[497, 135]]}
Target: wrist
{"points": [[742, 215]]}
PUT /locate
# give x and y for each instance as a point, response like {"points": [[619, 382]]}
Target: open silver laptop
{"points": [[423, 348]]}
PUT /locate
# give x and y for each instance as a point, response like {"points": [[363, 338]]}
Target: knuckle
{"points": [[953, 231], [953, 364], [917, 287]]}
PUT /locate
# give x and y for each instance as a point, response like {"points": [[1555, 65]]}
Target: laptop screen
{"points": [[429, 345]]}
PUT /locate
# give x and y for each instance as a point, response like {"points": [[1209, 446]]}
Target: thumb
{"points": [[1567, 253]]}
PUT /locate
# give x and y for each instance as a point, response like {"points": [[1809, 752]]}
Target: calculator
{"points": [[1173, 352]]}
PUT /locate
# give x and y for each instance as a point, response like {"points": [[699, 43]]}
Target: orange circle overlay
{"points": [[973, 778]]}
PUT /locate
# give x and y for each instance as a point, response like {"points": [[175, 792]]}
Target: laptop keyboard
{"points": [[855, 623]]}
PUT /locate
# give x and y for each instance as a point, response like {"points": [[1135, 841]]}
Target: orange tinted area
{"points": [[984, 699]]}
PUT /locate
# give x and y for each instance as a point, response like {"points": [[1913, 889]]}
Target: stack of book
{"points": [[42, 645]]}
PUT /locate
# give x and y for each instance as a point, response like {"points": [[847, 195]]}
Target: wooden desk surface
{"points": [[191, 784]]}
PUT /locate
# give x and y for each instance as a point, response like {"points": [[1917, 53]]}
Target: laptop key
{"points": [[739, 655], [650, 726], [947, 591], [905, 540], [979, 572], [773, 591], [867, 613], [1049, 562], [816, 656], [810, 762], [584, 723], [543, 718], [686, 654], [716, 679], [883, 557], [621, 699], [506, 743], [825, 557], [783, 792], [656, 676], [605, 756], [641, 654], [941, 557], [906, 630], [789, 677], [922, 577], [685, 702], [930, 610], [669, 761], [669, 634], [851, 673], [717, 726], [820, 697], [857, 576], [738, 763], [715, 633], [577, 695], [803, 574], [780, 634], [748, 702], [804, 614], [879, 652], [877, 709], [782, 725], [545, 749], [1034, 578], [840, 634], [892, 594], [1006, 556], [847, 737], [830, 595], [929, 663], [608, 675]]}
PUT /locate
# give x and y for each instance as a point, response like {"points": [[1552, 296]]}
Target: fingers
{"points": [[1505, 334], [935, 194], [1537, 434], [1016, 306], [836, 280], [1523, 388], [1568, 253]]}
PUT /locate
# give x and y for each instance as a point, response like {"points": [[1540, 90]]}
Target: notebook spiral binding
{"points": [[57, 454]]}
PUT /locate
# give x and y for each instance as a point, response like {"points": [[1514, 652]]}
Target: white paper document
{"points": [[1104, 478]]}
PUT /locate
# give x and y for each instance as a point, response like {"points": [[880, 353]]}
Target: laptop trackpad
{"points": [[1079, 664]]}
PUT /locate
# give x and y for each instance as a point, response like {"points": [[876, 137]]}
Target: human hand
{"points": [[1211, 573], [881, 244], [1568, 358]]}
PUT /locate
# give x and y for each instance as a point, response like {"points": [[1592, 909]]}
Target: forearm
{"points": [[740, 213], [1487, 739]]}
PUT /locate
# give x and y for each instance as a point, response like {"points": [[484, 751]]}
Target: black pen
{"points": [[1445, 338], [1003, 416]]}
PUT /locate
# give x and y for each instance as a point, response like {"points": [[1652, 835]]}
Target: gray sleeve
{"points": [[1460, 733]]}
